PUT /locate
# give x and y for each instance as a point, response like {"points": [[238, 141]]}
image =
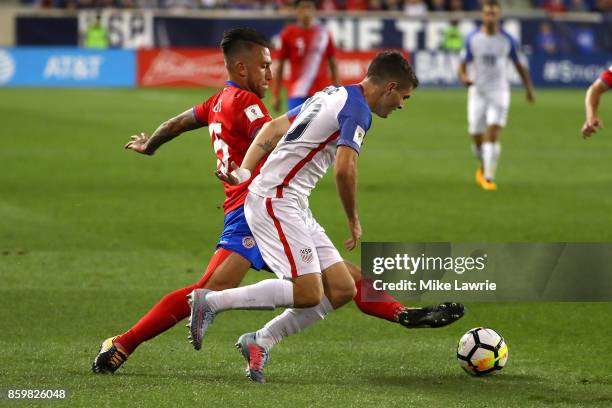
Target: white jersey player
{"points": [[334, 117], [329, 129], [486, 52]]}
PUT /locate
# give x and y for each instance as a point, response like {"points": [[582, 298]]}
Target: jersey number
{"points": [[309, 111], [489, 60], [221, 148]]}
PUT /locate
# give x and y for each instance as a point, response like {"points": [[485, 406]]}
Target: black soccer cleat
{"points": [[109, 358], [431, 316]]}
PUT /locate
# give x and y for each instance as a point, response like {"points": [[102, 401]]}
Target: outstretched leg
{"points": [[225, 270]]}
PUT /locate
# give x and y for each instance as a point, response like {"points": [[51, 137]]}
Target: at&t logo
{"points": [[7, 67]]}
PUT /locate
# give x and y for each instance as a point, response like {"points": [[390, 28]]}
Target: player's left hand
{"points": [[355, 230], [138, 143]]}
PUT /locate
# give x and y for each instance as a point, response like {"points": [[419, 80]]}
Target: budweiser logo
{"points": [[170, 67]]}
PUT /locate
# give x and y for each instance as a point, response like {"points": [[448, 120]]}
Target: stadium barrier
{"points": [[572, 32], [67, 67], [172, 67]]}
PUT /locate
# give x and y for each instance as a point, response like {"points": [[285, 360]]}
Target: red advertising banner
{"points": [[181, 67], [205, 67]]}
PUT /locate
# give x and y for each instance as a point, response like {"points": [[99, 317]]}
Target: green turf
{"points": [[91, 236]]}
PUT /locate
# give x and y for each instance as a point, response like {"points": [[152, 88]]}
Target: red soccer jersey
{"points": [[233, 116], [308, 50], [607, 77]]}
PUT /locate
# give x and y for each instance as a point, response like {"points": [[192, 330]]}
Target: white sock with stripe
{"points": [[496, 154], [487, 160], [266, 295], [291, 321]]}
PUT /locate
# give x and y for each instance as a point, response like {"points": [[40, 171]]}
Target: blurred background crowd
{"points": [[411, 7]]}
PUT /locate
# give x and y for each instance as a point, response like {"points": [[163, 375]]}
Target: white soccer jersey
{"points": [[335, 116], [488, 56]]}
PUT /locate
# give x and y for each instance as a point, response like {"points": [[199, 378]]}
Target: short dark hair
{"points": [[237, 39], [391, 65]]}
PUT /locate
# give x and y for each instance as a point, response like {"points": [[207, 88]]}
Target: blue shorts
{"points": [[237, 237], [295, 102]]}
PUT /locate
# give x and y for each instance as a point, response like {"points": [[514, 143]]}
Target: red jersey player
{"points": [[234, 115], [601, 85], [310, 50]]}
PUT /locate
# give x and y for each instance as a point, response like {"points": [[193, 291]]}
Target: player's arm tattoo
{"points": [[267, 146], [265, 141], [172, 128]]}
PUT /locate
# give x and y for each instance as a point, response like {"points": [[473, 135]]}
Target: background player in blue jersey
{"points": [[487, 51]]}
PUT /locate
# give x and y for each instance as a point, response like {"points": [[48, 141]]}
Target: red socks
{"points": [[170, 310], [376, 303]]}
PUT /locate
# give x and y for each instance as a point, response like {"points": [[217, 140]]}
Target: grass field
{"points": [[91, 236]]}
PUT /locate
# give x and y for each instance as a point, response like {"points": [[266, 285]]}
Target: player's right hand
{"points": [[355, 230], [138, 143], [591, 126]]}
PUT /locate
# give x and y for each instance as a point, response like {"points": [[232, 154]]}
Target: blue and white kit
{"points": [[488, 58], [291, 241]]}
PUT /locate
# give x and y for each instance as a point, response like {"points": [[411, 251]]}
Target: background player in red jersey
{"points": [[310, 50], [598, 87]]}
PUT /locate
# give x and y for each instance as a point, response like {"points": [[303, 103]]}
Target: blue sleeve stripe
{"points": [[348, 143], [292, 113], [513, 46], [196, 117], [468, 47]]}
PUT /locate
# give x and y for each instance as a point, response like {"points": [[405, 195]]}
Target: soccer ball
{"points": [[482, 351]]}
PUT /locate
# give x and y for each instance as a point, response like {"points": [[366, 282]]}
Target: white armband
{"points": [[241, 174]]}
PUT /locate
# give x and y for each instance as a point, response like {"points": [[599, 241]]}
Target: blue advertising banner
{"points": [[67, 67], [439, 68], [568, 70]]}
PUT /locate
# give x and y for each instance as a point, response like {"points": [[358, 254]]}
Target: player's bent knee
{"points": [[307, 290], [339, 296]]}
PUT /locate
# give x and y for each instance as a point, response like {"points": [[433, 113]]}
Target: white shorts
{"points": [[486, 109], [291, 241]]}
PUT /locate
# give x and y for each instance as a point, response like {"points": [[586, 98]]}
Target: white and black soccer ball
{"points": [[482, 351]]}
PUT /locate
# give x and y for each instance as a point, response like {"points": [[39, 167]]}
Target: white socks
{"points": [[496, 154], [490, 155], [267, 294], [291, 321]]}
